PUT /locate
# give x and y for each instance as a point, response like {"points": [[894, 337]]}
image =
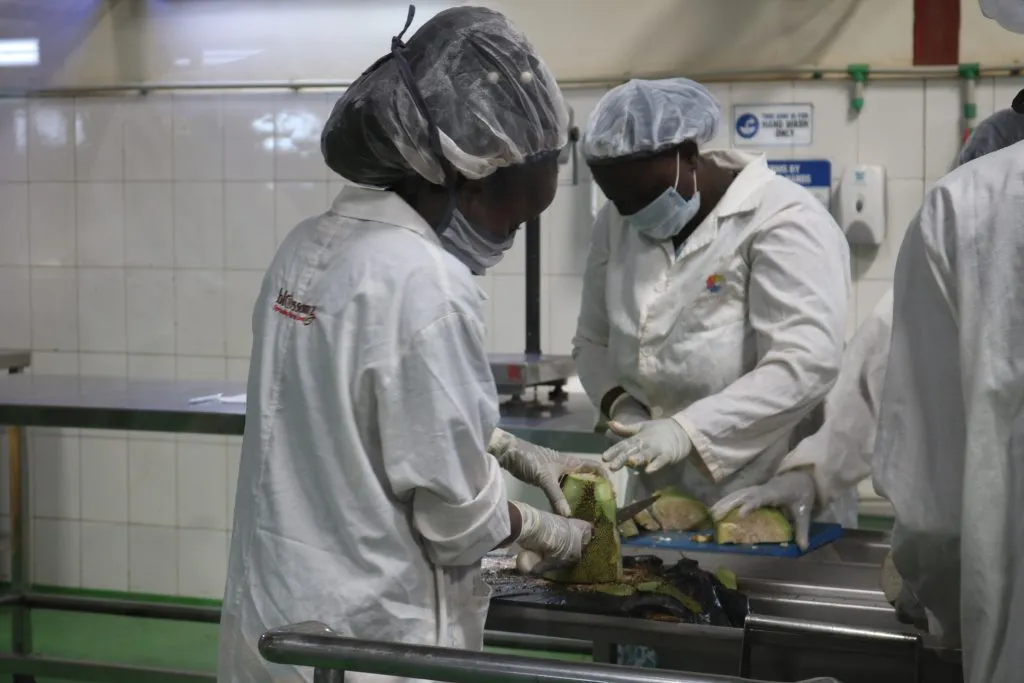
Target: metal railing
{"points": [[313, 644]]}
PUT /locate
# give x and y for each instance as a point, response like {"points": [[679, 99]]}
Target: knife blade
{"points": [[630, 511]]}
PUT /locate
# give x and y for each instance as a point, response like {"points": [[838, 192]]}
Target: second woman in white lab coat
{"points": [[714, 298]]}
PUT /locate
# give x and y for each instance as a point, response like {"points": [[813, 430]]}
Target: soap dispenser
{"points": [[861, 210]]}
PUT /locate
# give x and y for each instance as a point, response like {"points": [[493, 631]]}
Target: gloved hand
{"points": [[539, 466], [549, 541], [628, 413], [909, 610], [792, 491], [651, 445]]}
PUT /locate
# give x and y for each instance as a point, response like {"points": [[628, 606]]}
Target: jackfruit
{"points": [[764, 525], [674, 510], [592, 499]]}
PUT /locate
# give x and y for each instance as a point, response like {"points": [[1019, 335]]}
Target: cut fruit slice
{"points": [[628, 529], [592, 499], [674, 510], [764, 525]]}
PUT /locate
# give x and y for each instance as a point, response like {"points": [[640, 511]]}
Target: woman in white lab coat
{"points": [[714, 297], [366, 496]]}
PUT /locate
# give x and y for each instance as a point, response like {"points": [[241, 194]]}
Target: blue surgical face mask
{"points": [[663, 218], [471, 246]]}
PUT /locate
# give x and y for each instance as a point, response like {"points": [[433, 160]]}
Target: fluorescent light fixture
{"points": [[19, 51]]}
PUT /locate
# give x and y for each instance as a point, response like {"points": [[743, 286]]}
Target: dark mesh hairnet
{"points": [[645, 117], [493, 100], [1002, 129]]}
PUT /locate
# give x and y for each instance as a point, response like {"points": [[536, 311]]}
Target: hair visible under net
{"points": [[1002, 129], [642, 118], [493, 100]]}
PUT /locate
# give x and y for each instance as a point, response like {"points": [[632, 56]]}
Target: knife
{"points": [[630, 511]]}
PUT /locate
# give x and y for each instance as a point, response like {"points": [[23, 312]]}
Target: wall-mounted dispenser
{"points": [[861, 209]]}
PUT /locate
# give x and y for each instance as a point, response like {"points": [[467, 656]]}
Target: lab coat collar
{"points": [[742, 196], [381, 206]]}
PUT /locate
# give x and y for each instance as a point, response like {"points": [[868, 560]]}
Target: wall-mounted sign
{"points": [[772, 125], [814, 174]]}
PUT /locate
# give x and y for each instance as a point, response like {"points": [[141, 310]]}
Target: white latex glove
{"points": [[539, 466], [651, 445], [909, 610], [628, 413], [791, 491], [549, 541]]}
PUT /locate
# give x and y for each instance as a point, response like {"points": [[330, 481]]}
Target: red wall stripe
{"points": [[936, 32]]}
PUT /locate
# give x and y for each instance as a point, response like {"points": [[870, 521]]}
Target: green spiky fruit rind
{"points": [[764, 525], [726, 577], [665, 588], [592, 499], [674, 510], [628, 529]]}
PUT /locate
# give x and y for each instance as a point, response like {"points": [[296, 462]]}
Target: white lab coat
{"points": [[840, 452], [366, 498], [738, 337], [950, 448]]}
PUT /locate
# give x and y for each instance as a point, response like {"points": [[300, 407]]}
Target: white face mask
{"points": [[663, 218], [476, 251]]}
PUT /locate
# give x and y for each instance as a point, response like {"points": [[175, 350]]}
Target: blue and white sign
{"points": [[772, 125], [815, 175]]}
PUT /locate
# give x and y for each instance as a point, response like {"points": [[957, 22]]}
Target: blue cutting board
{"points": [[820, 534]]}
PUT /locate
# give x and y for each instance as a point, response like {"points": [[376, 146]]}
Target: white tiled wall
{"points": [[133, 235]]}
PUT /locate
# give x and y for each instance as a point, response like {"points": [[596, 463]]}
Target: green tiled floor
{"points": [[140, 642]]}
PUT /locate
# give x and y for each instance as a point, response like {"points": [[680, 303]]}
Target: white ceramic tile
{"points": [[238, 369], [13, 140], [104, 556], [566, 228], [334, 186], [148, 138], [103, 365], [57, 553], [54, 363], [52, 224], [241, 287], [508, 322], [14, 249], [835, 126], [248, 137], [295, 202], [151, 367], [201, 368], [869, 293], [1003, 92], [896, 142], [15, 312], [55, 309], [249, 240], [104, 479], [984, 93], [55, 466], [943, 125], [199, 225], [152, 482], [152, 560], [202, 563], [199, 312], [202, 486], [51, 140], [299, 120], [563, 301], [150, 310], [99, 140], [102, 310], [904, 198], [198, 138], [149, 224], [100, 220]]}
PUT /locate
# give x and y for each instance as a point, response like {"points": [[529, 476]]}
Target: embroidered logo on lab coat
{"points": [[286, 305], [715, 283]]}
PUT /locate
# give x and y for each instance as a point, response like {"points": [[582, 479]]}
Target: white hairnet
{"points": [[1007, 13], [640, 118], [492, 99], [1002, 129]]}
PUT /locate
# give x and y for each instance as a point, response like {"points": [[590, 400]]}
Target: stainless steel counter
{"points": [[163, 406]]}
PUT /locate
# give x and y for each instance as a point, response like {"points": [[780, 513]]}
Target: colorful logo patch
{"points": [[715, 283]]}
